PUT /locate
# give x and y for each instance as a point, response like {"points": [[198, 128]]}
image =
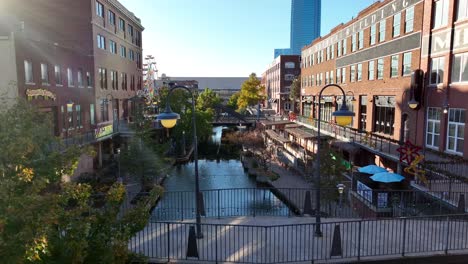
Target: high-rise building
{"points": [[305, 25]]}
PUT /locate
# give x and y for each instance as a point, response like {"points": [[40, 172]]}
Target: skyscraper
{"points": [[305, 25]]}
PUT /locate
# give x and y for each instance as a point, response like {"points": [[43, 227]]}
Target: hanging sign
{"points": [[40, 92], [103, 131]]}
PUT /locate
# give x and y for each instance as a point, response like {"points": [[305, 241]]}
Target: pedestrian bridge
{"points": [[255, 226]]}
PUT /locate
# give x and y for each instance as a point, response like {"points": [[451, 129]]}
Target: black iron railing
{"points": [[287, 202], [350, 240]]}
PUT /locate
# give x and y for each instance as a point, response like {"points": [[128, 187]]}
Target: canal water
{"points": [[227, 190]]}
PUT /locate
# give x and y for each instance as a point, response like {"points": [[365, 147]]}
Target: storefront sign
{"points": [[40, 92], [103, 131]]}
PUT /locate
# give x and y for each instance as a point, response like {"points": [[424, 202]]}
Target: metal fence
{"points": [[350, 240], [222, 203]]}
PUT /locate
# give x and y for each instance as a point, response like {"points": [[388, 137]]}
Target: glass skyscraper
{"points": [[305, 25]]}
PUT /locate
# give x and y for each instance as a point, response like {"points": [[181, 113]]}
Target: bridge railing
{"points": [[286, 202], [350, 240]]}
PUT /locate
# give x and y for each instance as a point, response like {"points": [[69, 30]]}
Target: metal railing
{"points": [[350, 240], [287, 202]]}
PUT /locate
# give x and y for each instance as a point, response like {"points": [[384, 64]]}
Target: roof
{"points": [[273, 123], [273, 135], [215, 83], [300, 133]]}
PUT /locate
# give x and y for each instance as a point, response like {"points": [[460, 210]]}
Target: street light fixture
{"points": [[168, 120], [70, 104], [343, 117], [341, 188]]}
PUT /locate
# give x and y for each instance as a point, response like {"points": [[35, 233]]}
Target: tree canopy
{"points": [[251, 92], [44, 219], [232, 103], [295, 92], [207, 100]]}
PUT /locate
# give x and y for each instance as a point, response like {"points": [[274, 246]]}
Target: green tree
{"points": [[295, 92], [207, 100], [42, 218], [232, 103], [251, 92]]}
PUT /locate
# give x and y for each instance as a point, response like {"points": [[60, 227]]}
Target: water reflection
{"points": [[227, 191]]}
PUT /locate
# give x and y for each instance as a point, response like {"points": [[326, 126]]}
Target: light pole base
{"points": [[199, 236], [318, 233]]}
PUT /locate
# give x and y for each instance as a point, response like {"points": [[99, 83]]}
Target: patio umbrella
{"points": [[387, 177], [371, 169]]}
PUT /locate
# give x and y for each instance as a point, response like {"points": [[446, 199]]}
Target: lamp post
{"points": [[343, 117], [118, 165], [340, 188], [168, 120]]}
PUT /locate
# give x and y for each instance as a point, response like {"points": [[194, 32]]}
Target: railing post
{"points": [[359, 241], [447, 237], [168, 244], [404, 238], [255, 202], [216, 243], [219, 205], [266, 243]]}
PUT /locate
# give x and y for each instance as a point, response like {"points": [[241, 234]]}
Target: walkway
{"points": [[278, 240]]}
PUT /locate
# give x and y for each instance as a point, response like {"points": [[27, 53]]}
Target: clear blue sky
{"points": [[212, 38]]}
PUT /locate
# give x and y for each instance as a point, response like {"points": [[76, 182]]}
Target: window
{"points": [[64, 118], [384, 114], [338, 75], [344, 46], [396, 24], [99, 9], [44, 73], [460, 69], [101, 42], [372, 34], [343, 75], [91, 114], [89, 80], [363, 113], [332, 51], [359, 72], [114, 80], [352, 75], [130, 31], [382, 31], [123, 51], [112, 47], [80, 78], [380, 69], [462, 9], [317, 79], [361, 40], [28, 72], [287, 65], [406, 63], [70, 116], [321, 78], [370, 71], [71, 83], [353, 42], [123, 76], [409, 19], [58, 75], [78, 116], [433, 127], [394, 66], [339, 48], [328, 52], [111, 16], [104, 110], [332, 79], [456, 130], [103, 78], [122, 24], [132, 82], [437, 70], [440, 16]]}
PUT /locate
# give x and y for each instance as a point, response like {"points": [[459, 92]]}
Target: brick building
{"points": [[88, 53], [371, 57], [277, 80]]}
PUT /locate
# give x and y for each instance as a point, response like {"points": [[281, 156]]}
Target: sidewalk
{"points": [[289, 178]]}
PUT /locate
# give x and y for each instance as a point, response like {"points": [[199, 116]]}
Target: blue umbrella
{"points": [[387, 177], [371, 169]]}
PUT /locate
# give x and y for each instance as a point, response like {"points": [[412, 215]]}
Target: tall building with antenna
{"points": [[305, 25]]}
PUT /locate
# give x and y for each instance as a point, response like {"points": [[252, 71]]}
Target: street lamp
{"points": [[70, 104], [118, 165], [341, 188], [343, 117], [168, 120]]}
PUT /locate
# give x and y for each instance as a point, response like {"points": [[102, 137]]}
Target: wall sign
{"points": [[103, 131], [40, 92]]}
